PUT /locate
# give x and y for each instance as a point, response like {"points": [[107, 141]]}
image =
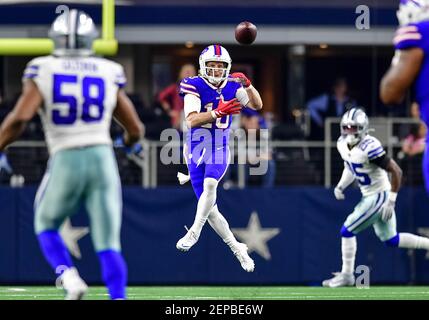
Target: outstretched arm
{"points": [[255, 100], [252, 98], [401, 75], [346, 179], [24, 110]]}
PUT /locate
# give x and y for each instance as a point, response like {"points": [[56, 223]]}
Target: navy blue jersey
{"points": [[416, 35]]}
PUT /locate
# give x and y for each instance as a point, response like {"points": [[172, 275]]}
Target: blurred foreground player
{"points": [[210, 100], [410, 63], [76, 95], [366, 161]]}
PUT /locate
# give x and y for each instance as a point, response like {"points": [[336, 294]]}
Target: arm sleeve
{"points": [[242, 96], [408, 37], [192, 104], [346, 178], [382, 161]]}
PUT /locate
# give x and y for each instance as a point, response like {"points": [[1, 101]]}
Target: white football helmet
{"points": [[215, 53], [73, 33], [354, 125], [412, 11]]}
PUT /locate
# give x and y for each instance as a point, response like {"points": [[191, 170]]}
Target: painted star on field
{"points": [[256, 237]]}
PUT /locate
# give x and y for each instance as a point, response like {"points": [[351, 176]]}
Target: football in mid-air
{"points": [[245, 32]]}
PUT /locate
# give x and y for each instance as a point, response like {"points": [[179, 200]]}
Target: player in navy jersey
{"points": [[410, 63], [210, 100]]}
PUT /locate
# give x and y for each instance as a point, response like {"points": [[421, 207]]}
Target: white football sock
{"points": [[412, 241], [205, 204], [348, 250], [219, 224]]}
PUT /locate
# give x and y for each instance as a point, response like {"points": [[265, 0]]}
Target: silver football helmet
{"points": [[73, 33], [354, 125]]}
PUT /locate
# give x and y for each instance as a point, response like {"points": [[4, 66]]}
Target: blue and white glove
{"points": [[388, 209], [4, 163], [134, 152], [136, 148]]}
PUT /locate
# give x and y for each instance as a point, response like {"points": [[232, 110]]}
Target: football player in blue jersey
{"points": [[410, 63], [210, 100]]}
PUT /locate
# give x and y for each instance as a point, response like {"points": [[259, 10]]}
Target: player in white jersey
{"points": [[366, 161], [76, 95]]}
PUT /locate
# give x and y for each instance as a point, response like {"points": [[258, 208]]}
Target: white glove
{"points": [[338, 192], [388, 209], [183, 178]]}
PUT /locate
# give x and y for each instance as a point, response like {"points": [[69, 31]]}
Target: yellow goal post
{"points": [[106, 45]]}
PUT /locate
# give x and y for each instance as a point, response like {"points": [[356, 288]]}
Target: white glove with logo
{"points": [[338, 192], [389, 207]]}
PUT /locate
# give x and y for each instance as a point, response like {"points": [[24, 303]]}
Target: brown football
{"points": [[245, 32]]}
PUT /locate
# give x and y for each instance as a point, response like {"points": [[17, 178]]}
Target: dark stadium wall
{"points": [[294, 233], [197, 14]]}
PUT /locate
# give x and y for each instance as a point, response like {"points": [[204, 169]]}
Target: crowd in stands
{"points": [[285, 165]]}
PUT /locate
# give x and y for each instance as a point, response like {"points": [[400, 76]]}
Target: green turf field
{"points": [[235, 293]]}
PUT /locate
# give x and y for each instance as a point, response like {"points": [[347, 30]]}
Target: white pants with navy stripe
{"points": [[368, 213]]}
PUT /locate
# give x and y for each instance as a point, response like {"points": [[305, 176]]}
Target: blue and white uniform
{"points": [[208, 150], [374, 184], [80, 95]]}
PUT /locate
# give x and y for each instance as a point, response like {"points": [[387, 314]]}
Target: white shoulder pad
{"points": [[32, 70], [372, 147], [340, 141]]}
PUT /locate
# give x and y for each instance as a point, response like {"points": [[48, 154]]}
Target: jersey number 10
{"points": [[221, 123], [87, 114]]}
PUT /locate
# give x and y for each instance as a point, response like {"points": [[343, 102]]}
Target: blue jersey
{"points": [[417, 36], [217, 132]]}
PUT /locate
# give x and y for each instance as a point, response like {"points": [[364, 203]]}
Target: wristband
{"points": [[393, 196], [213, 114]]}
